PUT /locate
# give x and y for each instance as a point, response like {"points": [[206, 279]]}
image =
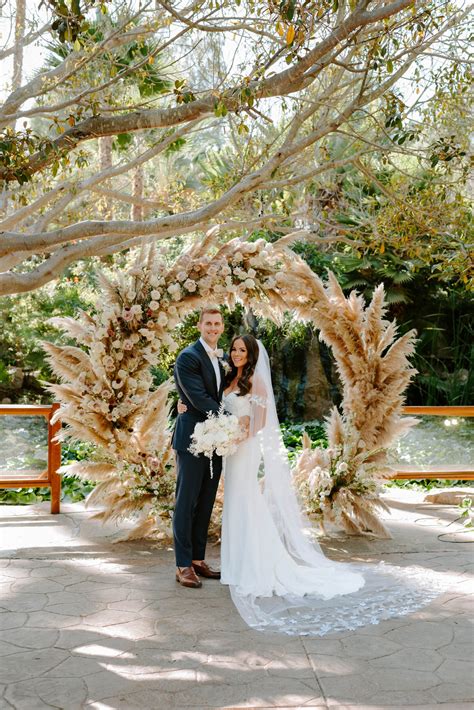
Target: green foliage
{"points": [[365, 272], [467, 513], [25, 323], [70, 18], [425, 484], [444, 357], [293, 436], [16, 148], [122, 141], [73, 489]]}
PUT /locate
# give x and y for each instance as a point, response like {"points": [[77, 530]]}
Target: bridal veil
{"points": [[310, 593]]}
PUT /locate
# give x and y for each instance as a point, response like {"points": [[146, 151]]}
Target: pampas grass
{"points": [[106, 395]]}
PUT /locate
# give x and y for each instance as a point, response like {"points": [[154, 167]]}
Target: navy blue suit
{"points": [[195, 489]]}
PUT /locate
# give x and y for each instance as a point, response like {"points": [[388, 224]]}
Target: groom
{"points": [[199, 378]]}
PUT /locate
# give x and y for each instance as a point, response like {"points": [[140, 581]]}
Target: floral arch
{"points": [[105, 385]]}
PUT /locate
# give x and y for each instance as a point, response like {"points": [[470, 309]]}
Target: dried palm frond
{"points": [[65, 393], [110, 290], [306, 441], [71, 326], [350, 525], [157, 403], [143, 528], [103, 489], [335, 428], [89, 470], [368, 520], [374, 317], [77, 431]]}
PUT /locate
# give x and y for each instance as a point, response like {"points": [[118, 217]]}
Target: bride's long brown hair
{"points": [[244, 383]]}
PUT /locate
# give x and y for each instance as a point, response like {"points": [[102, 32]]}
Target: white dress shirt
{"points": [[214, 360]]}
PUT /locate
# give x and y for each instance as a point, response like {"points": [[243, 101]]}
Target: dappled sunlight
{"points": [[97, 621]]}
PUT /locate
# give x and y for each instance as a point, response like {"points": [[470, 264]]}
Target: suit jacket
{"points": [[197, 387]]}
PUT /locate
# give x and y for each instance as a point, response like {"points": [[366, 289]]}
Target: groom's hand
{"points": [[182, 408]]}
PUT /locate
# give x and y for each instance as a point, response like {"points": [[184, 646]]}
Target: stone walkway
{"points": [[91, 624]]}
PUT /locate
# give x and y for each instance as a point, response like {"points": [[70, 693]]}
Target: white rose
{"points": [[127, 344], [181, 276], [136, 310], [153, 305], [117, 344], [190, 285], [270, 282], [122, 373], [249, 283], [162, 319], [156, 295]]}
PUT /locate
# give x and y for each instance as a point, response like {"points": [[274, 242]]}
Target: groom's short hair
{"points": [[210, 309]]}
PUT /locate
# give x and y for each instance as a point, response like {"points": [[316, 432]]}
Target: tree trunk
{"points": [[105, 160], [137, 209], [18, 53]]}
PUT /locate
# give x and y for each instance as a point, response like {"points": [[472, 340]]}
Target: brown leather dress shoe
{"points": [[186, 576], [203, 570]]}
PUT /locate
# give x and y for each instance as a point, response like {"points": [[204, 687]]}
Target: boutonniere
{"points": [[225, 365]]}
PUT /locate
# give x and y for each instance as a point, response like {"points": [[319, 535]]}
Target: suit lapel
{"points": [[206, 360], [221, 388]]}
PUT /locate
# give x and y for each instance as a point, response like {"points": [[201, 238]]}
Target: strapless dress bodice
{"points": [[236, 404]]}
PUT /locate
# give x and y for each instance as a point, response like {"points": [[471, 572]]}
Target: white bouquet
{"points": [[220, 433]]}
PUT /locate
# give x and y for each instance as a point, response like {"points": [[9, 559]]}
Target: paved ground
{"points": [[91, 624]]}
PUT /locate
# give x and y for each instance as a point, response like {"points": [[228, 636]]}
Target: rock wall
{"points": [[305, 382]]}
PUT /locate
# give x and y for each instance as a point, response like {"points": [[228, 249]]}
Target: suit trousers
{"points": [[195, 496]]}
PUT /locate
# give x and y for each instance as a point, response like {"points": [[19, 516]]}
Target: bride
{"points": [[278, 577]]}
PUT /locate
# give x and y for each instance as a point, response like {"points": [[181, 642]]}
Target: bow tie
{"points": [[218, 352]]}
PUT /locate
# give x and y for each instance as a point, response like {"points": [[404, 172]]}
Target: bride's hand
{"points": [[244, 427], [182, 408]]}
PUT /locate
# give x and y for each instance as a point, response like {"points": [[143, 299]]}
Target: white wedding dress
{"points": [[278, 577]]}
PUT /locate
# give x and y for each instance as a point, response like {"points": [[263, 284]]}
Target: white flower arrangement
{"points": [[219, 434], [225, 365]]}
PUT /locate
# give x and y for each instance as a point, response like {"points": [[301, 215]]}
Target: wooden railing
{"points": [[51, 479], [34, 479], [452, 472]]}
